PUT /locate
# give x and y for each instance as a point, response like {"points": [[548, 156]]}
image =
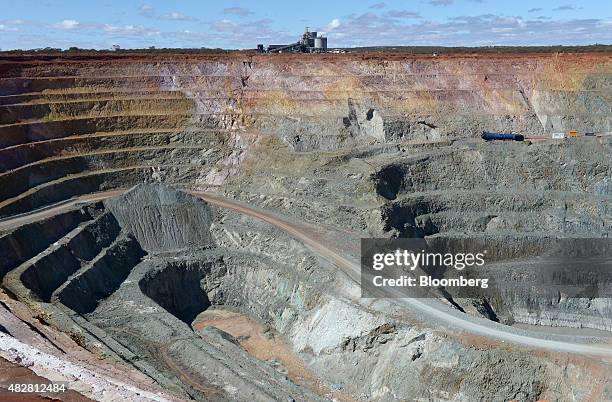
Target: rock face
{"points": [[69, 127], [137, 270], [365, 145], [163, 219], [140, 309]]}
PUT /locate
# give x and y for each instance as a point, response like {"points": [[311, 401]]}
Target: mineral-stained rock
{"points": [[358, 145], [162, 218]]}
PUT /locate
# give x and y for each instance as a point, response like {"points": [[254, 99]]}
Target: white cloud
{"points": [[566, 7], [225, 25], [146, 10], [377, 6], [129, 30], [243, 34], [239, 11], [371, 29], [441, 2], [382, 27], [335, 23], [402, 14], [6, 28], [67, 24], [174, 16]]}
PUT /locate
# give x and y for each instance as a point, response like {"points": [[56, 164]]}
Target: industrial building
{"points": [[310, 42]]}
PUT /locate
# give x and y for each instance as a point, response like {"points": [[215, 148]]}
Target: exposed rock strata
{"points": [[374, 146]]}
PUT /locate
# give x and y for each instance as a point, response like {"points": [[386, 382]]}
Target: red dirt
{"points": [[275, 58], [266, 346]]}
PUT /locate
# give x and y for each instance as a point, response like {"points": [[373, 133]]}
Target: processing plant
{"points": [[310, 42]]}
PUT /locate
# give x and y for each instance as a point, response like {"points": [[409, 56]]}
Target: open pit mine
{"points": [[186, 227]]}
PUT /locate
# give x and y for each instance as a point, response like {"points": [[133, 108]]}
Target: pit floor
{"points": [[266, 345]]}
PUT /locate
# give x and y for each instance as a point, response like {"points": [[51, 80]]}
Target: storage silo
{"points": [[312, 38], [320, 43]]}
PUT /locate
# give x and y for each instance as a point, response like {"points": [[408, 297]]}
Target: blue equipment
{"points": [[487, 136]]}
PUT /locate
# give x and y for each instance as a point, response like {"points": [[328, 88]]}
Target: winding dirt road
{"points": [[431, 309], [55, 209]]}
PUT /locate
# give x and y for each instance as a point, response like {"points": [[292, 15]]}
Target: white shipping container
{"points": [[558, 135]]}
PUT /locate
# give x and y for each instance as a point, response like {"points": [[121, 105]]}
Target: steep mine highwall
{"points": [[206, 114]]}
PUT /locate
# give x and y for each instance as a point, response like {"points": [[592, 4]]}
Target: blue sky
{"points": [[30, 24]]}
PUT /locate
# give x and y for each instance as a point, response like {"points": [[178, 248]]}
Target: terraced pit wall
{"points": [[75, 125], [137, 303], [378, 144]]}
